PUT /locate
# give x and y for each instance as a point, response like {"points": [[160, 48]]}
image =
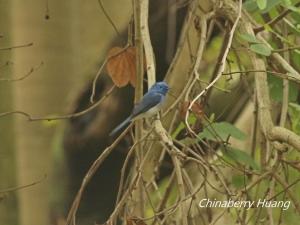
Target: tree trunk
{"points": [[8, 201], [44, 92]]}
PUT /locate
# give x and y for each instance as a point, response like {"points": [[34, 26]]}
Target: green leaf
{"points": [[252, 5], [294, 113], [287, 2], [261, 49], [191, 120], [262, 4], [271, 4], [178, 129], [276, 89], [222, 130], [239, 181], [240, 157], [189, 141], [296, 17], [249, 38], [212, 117]]}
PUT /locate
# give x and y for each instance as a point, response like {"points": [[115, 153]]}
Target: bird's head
{"points": [[160, 87]]}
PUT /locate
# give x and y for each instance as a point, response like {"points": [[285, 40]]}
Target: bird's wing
{"points": [[149, 101]]}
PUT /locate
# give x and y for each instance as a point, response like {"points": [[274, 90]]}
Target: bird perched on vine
{"points": [[149, 105]]}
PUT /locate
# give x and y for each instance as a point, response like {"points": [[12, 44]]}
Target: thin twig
{"points": [[285, 93], [134, 181], [284, 190], [280, 60], [217, 88], [108, 17], [3, 191], [92, 170], [129, 154], [201, 47], [68, 116], [278, 74], [179, 176], [150, 201], [285, 49], [47, 14], [125, 197], [95, 81], [33, 69], [274, 20], [166, 195], [288, 191], [17, 46], [221, 69], [123, 170]]}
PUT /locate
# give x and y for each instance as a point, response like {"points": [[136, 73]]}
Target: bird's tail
{"points": [[121, 126]]}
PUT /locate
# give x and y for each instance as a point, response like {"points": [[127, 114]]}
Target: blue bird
{"points": [[149, 105]]}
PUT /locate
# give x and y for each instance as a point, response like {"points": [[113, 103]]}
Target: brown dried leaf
{"points": [[121, 65], [134, 221], [197, 109], [129, 221]]}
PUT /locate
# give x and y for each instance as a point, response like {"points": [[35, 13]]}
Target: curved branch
{"points": [[284, 135]]}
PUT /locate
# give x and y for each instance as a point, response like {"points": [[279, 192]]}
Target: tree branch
{"points": [[284, 135], [221, 69], [275, 20], [270, 132]]}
